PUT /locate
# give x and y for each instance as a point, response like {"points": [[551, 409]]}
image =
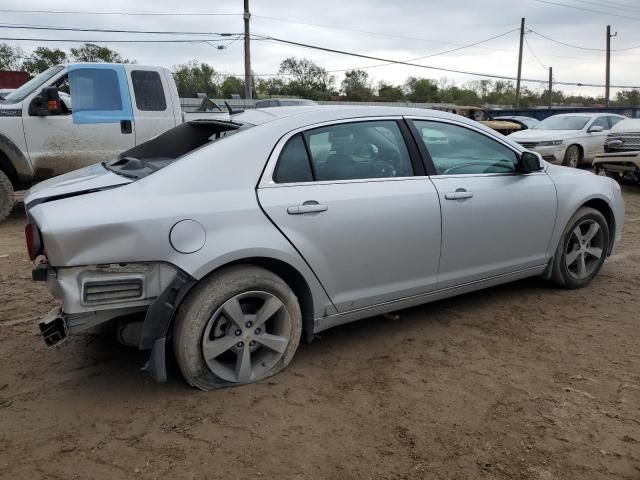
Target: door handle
{"points": [[126, 126], [460, 193], [310, 206]]}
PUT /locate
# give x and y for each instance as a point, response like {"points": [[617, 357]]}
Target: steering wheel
{"points": [[384, 169]]}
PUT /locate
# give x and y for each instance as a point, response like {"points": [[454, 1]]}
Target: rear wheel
{"points": [[572, 157], [6, 196], [582, 249], [241, 325]]}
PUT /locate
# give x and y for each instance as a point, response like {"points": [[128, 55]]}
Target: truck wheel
{"points": [[582, 249], [572, 157], [240, 325], [6, 196]]}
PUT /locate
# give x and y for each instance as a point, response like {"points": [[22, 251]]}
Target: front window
{"points": [[563, 122], [32, 85], [457, 150]]}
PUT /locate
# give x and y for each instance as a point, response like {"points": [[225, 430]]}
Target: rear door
{"points": [[595, 140], [98, 126], [495, 220], [151, 102], [353, 199]]}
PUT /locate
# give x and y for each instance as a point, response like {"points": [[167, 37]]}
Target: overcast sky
{"points": [[434, 25]]}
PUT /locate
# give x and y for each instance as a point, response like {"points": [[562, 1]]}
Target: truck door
{"points": [[152, 105], [96, 124]]}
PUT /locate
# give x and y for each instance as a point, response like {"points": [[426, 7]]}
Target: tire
{"points": [[572, 157], [212, 338], [6, 196], [575, 262]]}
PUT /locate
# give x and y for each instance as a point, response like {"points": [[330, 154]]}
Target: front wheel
{"points": [[582, 249], [240, 325], [572, 157], [6, 196]]}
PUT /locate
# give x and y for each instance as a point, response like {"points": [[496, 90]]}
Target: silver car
{"points": [[235, 238]]}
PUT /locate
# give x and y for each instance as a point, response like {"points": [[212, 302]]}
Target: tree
{"points": [[421, 90], [271, 86], [90, 52], [194, 77], [232, 85], [10, 57], [628, 98], [356, 85], [390, 93], [308, 79], [43, 58]]}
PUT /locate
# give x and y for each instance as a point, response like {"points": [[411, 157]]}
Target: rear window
{"points": [[157, 153], [148, 90]]}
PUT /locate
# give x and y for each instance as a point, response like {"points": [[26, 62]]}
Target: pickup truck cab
{"points": [[621, 157], [74, 115]]}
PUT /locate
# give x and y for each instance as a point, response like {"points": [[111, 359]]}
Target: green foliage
{"points": [[421, 90], [232, 85], [389, 93], [356, 85], [194, 77], [43, 58], [10, 57], [271, 87], [628, 98], [90, 52], [308, 80]]}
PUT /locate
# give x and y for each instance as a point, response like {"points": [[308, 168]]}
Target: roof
{"points": [[588, 114]]}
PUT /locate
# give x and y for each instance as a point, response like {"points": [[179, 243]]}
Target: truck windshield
{"points": [[157, 153], [32, 85]]}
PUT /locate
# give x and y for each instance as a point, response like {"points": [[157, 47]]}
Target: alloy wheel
{"points": [[585, 249], [574, 157], [246, 336]]}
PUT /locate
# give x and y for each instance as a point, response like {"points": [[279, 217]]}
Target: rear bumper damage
{"points": [[94, 295]]}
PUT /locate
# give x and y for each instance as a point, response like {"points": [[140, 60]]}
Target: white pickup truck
{"points": [[621, 157], [109, 108]]}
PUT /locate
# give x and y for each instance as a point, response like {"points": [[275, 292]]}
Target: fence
{"points": [[190, 104]]}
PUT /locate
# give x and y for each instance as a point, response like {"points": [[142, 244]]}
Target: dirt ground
{"points": [[521, 381]]}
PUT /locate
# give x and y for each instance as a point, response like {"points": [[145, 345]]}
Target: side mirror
{"points": [[47, 102], [595, 129], [530, 162]]}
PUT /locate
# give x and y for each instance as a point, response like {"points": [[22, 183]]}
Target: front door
{"points": [[96, 123], [345, 195], [494, 220]]}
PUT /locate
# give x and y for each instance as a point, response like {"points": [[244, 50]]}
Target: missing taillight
{"points": [[34, 243]]}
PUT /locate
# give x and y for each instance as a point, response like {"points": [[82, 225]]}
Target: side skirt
{"points": [[330, 321]]}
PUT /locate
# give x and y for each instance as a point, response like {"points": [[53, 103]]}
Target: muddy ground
{"points": [[521, 381]]}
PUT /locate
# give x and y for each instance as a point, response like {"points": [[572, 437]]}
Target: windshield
{"points": [[32, 85], [563, 122]]}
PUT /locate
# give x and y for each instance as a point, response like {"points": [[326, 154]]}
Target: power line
{"points": [[170, 14], [581, 47], [587, 9], [526, 41], [369, 32], [430, 67], [12, 26], [605, 5], [75, 40]]}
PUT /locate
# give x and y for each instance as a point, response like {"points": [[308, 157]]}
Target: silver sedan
{"points": [[235, 238]]}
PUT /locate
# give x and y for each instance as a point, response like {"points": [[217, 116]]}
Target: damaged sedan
{"points": [[234, 239]]}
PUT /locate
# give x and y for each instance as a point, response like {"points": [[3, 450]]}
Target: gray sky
{"points": [[434, 25]]}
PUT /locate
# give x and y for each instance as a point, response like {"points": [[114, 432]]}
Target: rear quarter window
{"points": [[148, 90]]}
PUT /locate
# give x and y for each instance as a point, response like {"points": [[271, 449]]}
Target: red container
{"points": [[12, 79]]}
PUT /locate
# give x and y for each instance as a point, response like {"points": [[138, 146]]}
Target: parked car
{"points": [[284, 102], [233, 239], [43, 132], [478, 114], [524, 122], [621, 159], [569, 139]]}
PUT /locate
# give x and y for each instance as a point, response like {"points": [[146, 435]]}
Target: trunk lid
{"points": [[85, 180]]}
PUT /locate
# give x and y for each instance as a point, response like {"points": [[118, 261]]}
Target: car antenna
{"points": [[231, 110]]}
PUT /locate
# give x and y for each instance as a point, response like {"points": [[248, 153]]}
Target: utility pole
{"points": [[247, 53], [608, 74], [519, 64], [550, 88]]}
